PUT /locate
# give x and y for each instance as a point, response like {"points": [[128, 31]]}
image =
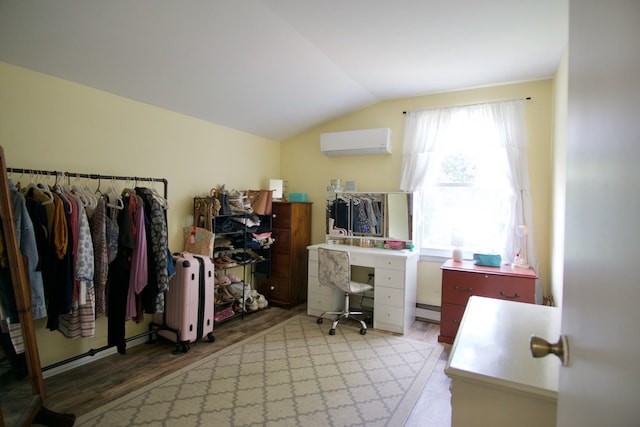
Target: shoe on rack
{"points": [[237, 307], [226, 295], [221, 279], [252, 304], [233, 278], [262, 301]]}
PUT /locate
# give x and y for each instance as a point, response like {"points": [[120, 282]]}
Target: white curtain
{"points": [[424, 136]]}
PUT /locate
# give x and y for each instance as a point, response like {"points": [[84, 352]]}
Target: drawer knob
{"points": [[272, 287], [455, 321], [459, 289], [514, 296]]}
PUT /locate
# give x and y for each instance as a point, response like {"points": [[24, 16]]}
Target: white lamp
{"points": [[520, 260], [457, 240]]}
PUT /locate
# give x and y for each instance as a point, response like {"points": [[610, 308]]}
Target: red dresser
{"points": [[460, 280]]}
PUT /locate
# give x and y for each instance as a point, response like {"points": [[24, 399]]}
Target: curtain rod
{"points": [[528, 98]]}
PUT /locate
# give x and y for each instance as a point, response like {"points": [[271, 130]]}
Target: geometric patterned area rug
{"points": [[292, 374]]}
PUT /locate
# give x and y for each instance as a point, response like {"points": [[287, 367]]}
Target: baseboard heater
{"points": [[428, 313]]}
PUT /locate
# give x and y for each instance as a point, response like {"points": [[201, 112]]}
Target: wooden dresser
{"points": [[460, 280], [291, 230]]}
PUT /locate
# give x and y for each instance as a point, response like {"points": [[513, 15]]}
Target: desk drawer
{"points": [[312, 271], [390, 278], [363, 260], [388, 315], [315, 287], [390, 262], [389, 297]]}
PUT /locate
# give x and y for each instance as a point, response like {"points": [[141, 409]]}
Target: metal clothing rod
{"points": [[528, 98], [70, 175], [93, 352]]}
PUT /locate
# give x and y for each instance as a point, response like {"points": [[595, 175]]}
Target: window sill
{"points": [[440, 255]]}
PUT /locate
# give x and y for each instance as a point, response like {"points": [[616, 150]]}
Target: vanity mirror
{"points": [[371, 217]]}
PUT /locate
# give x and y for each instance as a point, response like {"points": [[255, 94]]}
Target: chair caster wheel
{"points": [[319, 321], [332, 331], [363, 331]]}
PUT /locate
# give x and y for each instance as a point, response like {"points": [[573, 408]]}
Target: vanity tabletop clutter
{"points": [[463, 279]]}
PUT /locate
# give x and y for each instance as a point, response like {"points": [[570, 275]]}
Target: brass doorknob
{"points": [[541, 347]]}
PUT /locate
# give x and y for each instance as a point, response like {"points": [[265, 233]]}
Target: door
{"points": [[600, 313]]}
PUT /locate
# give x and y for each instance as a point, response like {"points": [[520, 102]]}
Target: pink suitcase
{"points": [[189, 301]]}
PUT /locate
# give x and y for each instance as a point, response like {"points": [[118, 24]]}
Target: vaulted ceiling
{"points": [[275, 68]]}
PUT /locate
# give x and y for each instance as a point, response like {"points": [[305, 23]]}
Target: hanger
{"points": [[41, 187], [87, 198], [113, 198], [163, 202]]}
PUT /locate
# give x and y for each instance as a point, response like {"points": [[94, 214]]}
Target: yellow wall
{"points": [[308, 170], [52, 124]]}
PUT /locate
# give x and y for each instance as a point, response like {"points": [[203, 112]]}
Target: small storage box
{"points": [[488, 260], [297, 197]]}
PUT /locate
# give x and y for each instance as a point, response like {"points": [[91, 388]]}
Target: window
{"points": [[466, 166]]}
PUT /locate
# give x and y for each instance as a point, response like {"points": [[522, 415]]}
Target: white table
{"points": [[494, 379]]}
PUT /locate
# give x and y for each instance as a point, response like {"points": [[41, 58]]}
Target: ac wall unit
{"points": [[356, 142]]}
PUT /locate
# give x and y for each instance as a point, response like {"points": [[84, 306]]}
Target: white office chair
{"points": [[334, 269]]}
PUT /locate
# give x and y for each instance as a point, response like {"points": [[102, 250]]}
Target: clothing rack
{"points": [[69, 176]]}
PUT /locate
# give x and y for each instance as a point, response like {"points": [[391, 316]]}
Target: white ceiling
{"points": [[275, 68]]}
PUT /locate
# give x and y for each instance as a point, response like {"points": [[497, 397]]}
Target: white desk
{"points": [[395, 282], [494, 379]]}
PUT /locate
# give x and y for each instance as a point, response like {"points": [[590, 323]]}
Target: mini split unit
{"points": [[356, 142]]}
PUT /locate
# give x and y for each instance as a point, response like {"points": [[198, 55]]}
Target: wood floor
{"points": [[90, 386]]}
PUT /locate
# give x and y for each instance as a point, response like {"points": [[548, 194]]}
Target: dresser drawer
{"points": [[282, 240], [281, 215], [458, 286], [275, 288], [451, 316], [389, 278]]}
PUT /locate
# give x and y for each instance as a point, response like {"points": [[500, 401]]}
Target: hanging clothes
{"points": [[138, 276], [157, 244], [98, 226], [118, 280], [81, 321], [52, 230]]}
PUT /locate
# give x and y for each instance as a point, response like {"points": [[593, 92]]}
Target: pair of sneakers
{"points": [[226, 279]]}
